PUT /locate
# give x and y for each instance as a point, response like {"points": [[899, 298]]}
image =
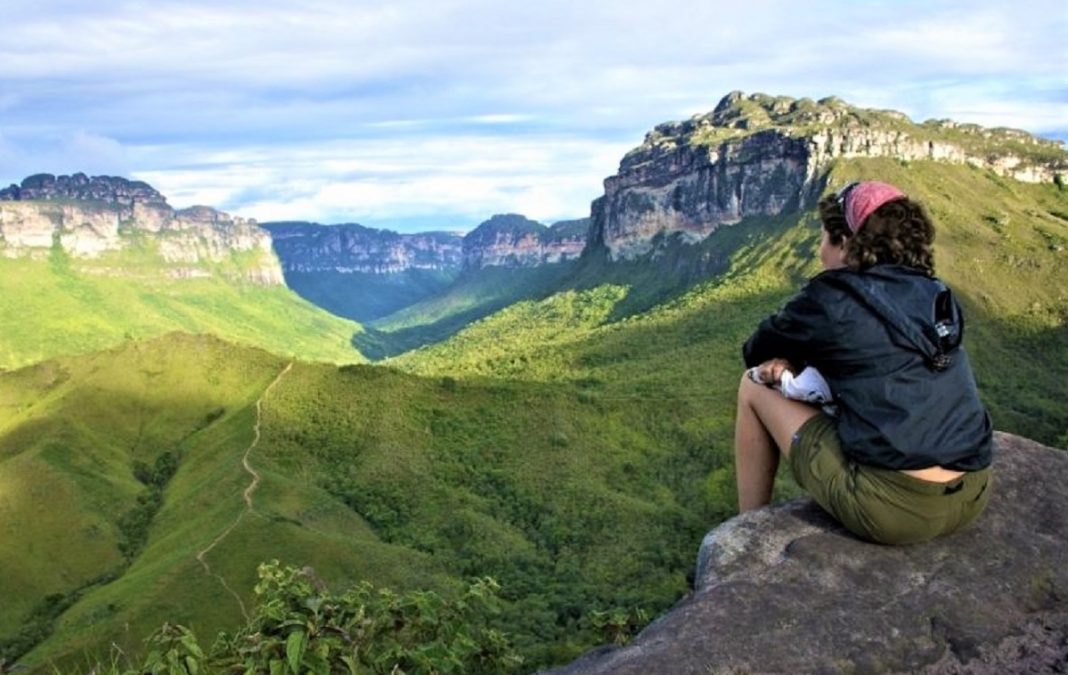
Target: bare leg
{"points": [[765, 425]]}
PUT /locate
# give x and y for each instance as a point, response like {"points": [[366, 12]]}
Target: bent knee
{"points": [[749, 387], [746, 380]]}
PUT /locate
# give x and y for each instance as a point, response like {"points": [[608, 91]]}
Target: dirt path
{"points": [[201, 557]]}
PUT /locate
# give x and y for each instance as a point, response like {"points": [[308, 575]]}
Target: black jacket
{"points": [[887, 340]]}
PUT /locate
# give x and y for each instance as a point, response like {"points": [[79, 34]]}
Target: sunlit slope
{"points": [[1001, 244], [573, 503], [71, 431], [48, 309], [473, 295]]}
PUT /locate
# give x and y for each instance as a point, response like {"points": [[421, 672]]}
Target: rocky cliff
{"points": [[786, 590], [309, 247], [502, 241], [511, 240], [762, 155], [90, 218]]}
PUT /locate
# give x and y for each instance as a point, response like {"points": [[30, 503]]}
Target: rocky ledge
{"points": [[352, 248], [109, 189], [786, 590], [512, 240]]}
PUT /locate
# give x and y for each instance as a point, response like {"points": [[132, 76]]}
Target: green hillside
{"points": [[49, 308], [1001, 244], [363, 296], [475, 294], [573, 503]]}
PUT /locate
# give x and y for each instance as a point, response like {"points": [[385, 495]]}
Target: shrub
{"points": [[300, 627]]}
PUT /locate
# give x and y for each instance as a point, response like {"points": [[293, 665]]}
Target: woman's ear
{"points": [[832, 256]]}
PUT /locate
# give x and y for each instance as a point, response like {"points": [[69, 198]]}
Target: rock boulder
{"points": [[787, 590]]}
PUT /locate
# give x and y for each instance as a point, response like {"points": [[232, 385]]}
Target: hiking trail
{"points": [[247, 494]]}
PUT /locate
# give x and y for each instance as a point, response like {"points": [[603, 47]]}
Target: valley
{"points": [[549, 406]]}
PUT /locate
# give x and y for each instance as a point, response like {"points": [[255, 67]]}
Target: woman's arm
{"points": [[794, 334]]}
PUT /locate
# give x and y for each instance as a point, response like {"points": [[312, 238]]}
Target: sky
{"points": [[418, 115]]}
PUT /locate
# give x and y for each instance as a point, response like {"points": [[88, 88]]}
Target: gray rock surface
{"points": [[511, 240], [348, 248], [786, 590]]}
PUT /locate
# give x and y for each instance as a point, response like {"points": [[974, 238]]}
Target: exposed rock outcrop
{"points": [[502, 241], [88, 218], [309, 247], [786, 590], [109, 189], [511, 240], [761, 155]]}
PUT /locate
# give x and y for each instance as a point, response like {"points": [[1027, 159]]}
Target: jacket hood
{"points": [[920, 311]]}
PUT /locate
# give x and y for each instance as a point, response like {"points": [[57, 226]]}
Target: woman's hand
{"points": [[771, 371]]}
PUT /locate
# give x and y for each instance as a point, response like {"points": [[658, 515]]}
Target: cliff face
{"points": [[119, 191], [759, 155], [785, 589], [510, 240], [501, 241], [308, 247], [89, 218]]}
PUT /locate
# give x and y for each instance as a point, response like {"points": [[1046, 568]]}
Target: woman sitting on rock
{"points": [[906, 456]]}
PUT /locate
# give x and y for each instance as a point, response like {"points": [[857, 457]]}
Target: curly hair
{"points": [[897, 233]]}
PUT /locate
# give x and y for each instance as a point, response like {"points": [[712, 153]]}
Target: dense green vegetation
{"points": [[573, 443], [79, 438], [54, 307], [298, 626], [999, 245], [363, 296], [475, 293], [577, 505]]}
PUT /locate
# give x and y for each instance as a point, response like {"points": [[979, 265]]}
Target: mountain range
{"points": [[555, 404], [366, 274]]}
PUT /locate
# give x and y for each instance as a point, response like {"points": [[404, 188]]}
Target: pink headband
{"points": [[858, 200]]}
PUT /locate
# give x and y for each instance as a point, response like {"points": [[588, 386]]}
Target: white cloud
{"points": [[371, 110], [469, 178]]}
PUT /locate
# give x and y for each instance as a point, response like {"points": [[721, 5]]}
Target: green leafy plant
{"points": [[301, 627], [618, 625]]}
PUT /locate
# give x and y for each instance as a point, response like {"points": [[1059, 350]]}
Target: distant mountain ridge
{"points": [[504, 240], [351, 247], [366, 274], [760, 155], [512, 240]]}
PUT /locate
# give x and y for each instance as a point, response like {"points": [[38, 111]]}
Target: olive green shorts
{"points": [[881, 505]]}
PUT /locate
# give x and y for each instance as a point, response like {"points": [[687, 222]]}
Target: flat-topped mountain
{"points": [[760, 155], [505, 240], [114, 190], [366, 273], [350, 247], [512, 240], [86, 263], [118, 227]]}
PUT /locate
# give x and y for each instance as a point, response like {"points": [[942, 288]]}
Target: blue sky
{"points": [[436, 114]]}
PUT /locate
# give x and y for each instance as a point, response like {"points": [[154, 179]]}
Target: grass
{"points": [[366, 474], [1011, 280], [48, 309], [472, 296], [365, 297]]}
